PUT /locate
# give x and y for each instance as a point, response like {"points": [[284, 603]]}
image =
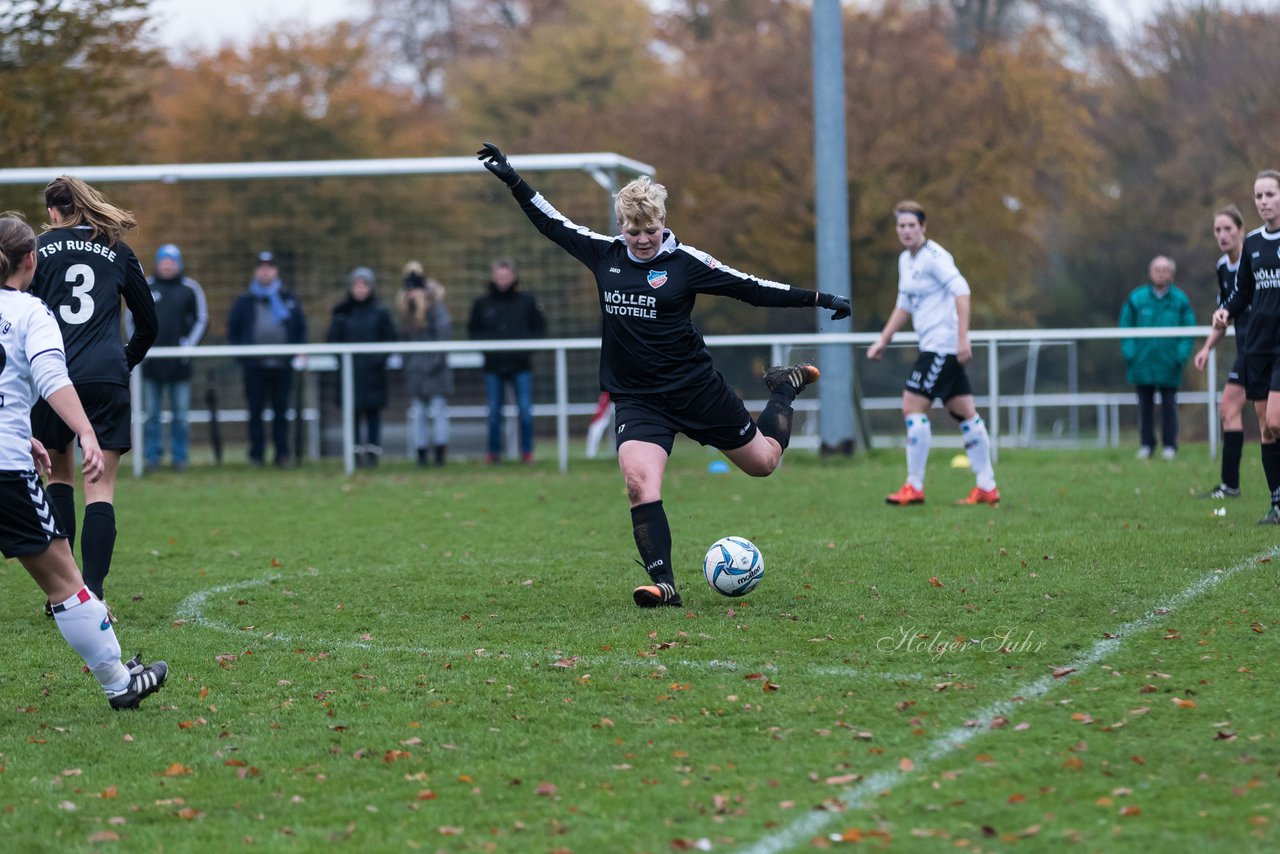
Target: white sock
{"points": [[919, 435], [85, 626], [977, 444]]}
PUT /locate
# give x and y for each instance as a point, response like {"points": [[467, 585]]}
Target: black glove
{"points": [[496, 162], [839, 305]]}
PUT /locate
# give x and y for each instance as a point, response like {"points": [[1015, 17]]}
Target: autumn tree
{"points": [[1187, 122], [291, 95], [73, 80]]}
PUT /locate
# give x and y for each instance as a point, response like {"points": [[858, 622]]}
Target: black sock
{"points": [[1232, 450], [775, 420], [653, 539], [1271, 468], [98, 544], [63, 498]]}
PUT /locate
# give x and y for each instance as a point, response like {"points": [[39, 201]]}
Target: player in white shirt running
{"points": [[935, 297], [32, 362]]}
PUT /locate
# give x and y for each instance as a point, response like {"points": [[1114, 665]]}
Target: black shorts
{"points": [[27, 522], [1261, 375], [1235, 376], [109, 410], [710, 413], [938, 377]]}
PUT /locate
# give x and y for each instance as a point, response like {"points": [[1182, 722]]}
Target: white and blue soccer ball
{"points": [[733, 566]]}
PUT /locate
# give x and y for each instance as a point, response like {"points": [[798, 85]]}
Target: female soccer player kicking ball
{"points": [[653, 361]]}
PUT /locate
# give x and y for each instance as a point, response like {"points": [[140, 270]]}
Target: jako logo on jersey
{"points": [[657, 278], [614, 270]]}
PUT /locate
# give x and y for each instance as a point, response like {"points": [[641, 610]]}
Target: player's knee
{"points": [[638, 488]]}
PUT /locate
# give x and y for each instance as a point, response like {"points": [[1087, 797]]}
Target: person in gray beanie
{"points": [[361, 317]]}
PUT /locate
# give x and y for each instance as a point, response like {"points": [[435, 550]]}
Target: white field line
{"points": [[191, 610], [867, 789]]}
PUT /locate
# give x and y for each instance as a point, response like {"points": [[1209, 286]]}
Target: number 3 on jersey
{"points": [[80, 276]]}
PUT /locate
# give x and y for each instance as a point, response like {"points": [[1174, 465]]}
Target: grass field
{"points": [[450, 660]]}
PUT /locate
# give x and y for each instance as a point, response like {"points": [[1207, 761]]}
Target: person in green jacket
{"points": [[1156, 363]]}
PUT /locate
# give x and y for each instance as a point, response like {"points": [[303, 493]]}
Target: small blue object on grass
{"points": [[718, 467]]}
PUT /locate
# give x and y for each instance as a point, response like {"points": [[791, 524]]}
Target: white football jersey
{"points": [[928, 284], [27, 329]]}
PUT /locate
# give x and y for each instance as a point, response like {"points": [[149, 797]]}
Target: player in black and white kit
{"points": [[935, 297], [1228, 230], [1257, 290], [85, 268], [32, 362], [653, 361]]}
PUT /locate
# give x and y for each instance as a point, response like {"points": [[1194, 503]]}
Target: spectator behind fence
{"points": [[427, 377], [507, 313], [182, 316], [361, 318], [1156, 363], [267, 313]]}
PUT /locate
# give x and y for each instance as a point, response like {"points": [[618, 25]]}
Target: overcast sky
{"points": [[208, 24]]}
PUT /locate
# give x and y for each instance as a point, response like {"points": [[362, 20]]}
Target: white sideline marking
{"points": [[869, 787], [191, 610]]}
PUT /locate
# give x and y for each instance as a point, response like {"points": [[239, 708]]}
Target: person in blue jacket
{"points": [[1155, 364]]}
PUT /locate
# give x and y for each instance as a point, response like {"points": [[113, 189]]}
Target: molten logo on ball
{"points": [[733, 566]]}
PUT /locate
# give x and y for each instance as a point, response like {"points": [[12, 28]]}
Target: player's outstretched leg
{"points": [[784, 383]]}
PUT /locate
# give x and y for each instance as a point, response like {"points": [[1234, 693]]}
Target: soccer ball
{"points": [[733, 566]]}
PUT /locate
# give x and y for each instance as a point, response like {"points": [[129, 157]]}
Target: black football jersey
{"points": [[1227, 280], [82, 280], [649, 343]]}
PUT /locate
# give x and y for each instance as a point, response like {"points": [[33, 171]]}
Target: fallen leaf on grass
{"points": [[843, 779], [449, 830], [1130, 810], [105, 836], [546, 790], [1073, 763], [177, 769], [934, 582], [906, 764], [1183, 704], [108, 793], [1059, 672], [1224, 736], [189, 814]]}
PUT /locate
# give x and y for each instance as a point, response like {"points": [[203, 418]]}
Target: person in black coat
{"points": [[267, 313], [507, 313], [362, 318]]}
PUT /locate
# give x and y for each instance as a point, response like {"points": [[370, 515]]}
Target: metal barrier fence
{"points": [[312, 357]]}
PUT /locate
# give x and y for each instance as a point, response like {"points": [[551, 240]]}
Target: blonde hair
{"points": [[79, 204], [414, 303], [17, 240], [640, 203]]}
